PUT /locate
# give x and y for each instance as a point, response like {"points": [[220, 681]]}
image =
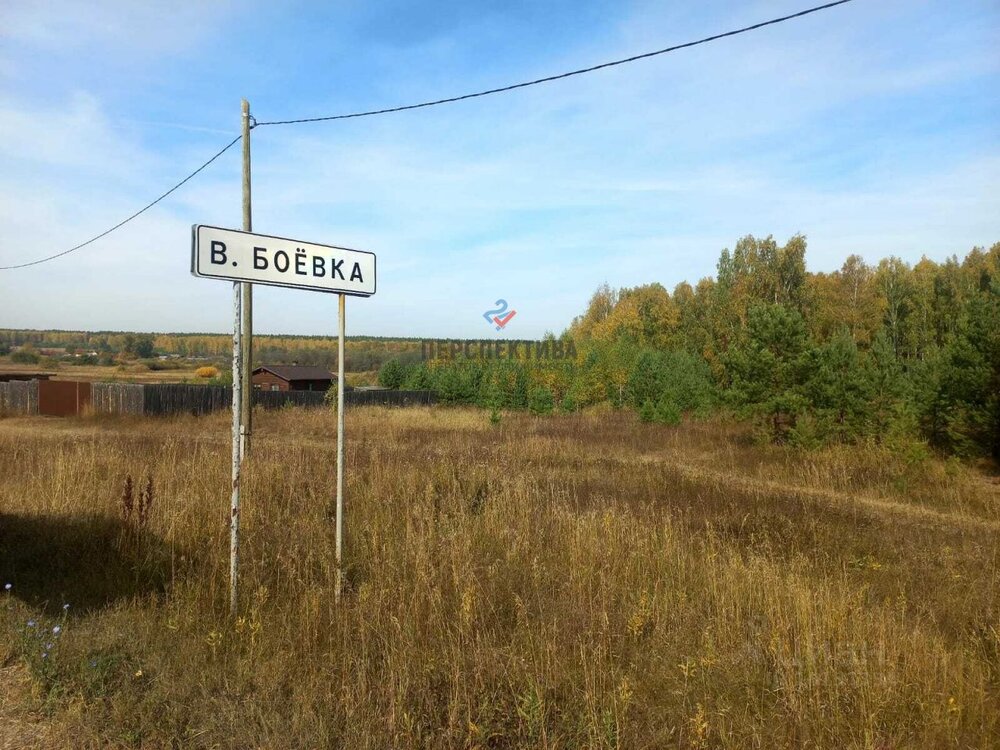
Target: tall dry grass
{"points": [[583, 581]]}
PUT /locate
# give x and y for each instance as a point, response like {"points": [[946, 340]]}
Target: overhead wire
{"points": [[125, 221], [434, 103], [559, 76]]}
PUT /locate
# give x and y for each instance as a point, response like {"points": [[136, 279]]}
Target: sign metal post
{"points": [[340, 445], [244, 258]]}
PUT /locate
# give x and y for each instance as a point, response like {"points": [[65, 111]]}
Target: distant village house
{"points": [[292, 378]]}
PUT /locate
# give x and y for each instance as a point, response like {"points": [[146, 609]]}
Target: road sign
{"points": [[218, 253], [244, 257]]}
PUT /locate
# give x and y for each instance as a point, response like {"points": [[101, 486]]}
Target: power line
{"points": [[434, 103], [559, 76], [123, 222]]}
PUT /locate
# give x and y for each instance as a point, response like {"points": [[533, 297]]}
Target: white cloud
{"points": [[148, 27], [72, 135]]}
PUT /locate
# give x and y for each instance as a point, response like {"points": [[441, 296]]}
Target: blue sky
{"points": [[873, 128]]}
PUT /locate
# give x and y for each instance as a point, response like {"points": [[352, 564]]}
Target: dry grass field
{"points": [[134, 372], [563, 582]]}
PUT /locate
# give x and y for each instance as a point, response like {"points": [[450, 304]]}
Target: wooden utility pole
{"points": [[246, 322], [242, 389], [234, 507]]}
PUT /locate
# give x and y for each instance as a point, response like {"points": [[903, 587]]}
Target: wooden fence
{"points": [[165, 399], [117, 398], [19, 397], [389, 398], [185, 399], [278, 399], [152, 399]]}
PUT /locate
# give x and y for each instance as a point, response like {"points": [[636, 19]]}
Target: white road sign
{"points": [[276, 261]]}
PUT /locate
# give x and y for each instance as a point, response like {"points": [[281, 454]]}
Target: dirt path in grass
{"points": [[20, 727], [902, 510]]}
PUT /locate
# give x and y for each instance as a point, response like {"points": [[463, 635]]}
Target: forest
{"points": [[886, 353]]}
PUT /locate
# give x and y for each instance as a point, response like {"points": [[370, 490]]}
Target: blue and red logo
{"points": [[500, 317]]}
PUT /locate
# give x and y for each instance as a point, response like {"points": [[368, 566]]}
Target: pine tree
{"points": [[392, 374], [540, 401], [887, 388], [837, 388], [645, 380], [418, 378], [767, 371]]}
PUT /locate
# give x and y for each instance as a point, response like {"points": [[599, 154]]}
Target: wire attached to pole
{"points": [[123, 222]]}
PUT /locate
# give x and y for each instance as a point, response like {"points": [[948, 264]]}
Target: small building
{"points": [[291, 378], [6, 377]]}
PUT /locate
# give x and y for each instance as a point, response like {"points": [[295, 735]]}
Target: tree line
{"points": [[363, 353], [884, 352]]}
